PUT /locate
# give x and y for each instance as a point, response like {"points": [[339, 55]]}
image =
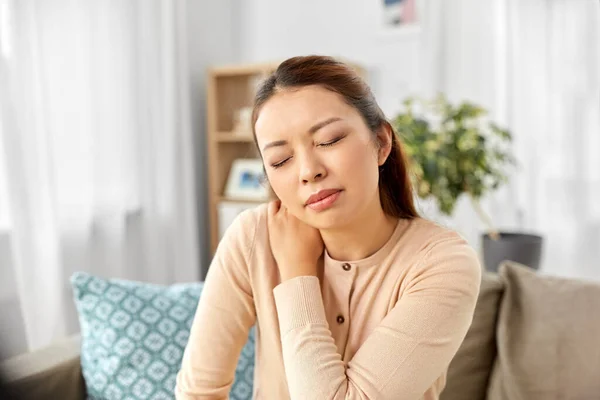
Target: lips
{"points": [[322, 194]]}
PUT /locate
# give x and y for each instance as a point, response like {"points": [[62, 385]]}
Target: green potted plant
{"points": [[454, 151]]}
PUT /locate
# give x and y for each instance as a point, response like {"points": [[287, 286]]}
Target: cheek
{"points": [[359, 164], [281, 182]]}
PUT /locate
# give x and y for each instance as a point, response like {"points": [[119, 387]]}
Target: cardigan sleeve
{"points": [[411, 347], [223, 318]]}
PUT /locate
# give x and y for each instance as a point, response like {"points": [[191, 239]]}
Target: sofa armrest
{"points": [[53, 372]]}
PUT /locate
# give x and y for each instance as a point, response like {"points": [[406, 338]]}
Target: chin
{"points": [[333, 218]]}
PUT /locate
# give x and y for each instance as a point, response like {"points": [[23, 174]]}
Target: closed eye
{"points": [[332, 142], [280, 164]]}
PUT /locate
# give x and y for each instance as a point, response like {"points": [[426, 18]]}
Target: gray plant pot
{"points": [[523, 248]]}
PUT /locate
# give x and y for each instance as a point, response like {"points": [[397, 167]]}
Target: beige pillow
{"points": [[548, 338], [470, 369]]}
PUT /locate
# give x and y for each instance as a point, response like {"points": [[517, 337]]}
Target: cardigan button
{"points": [[340, 319], [346, 267]]}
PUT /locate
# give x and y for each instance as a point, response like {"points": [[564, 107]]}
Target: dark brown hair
{"points": [[395, 188]]}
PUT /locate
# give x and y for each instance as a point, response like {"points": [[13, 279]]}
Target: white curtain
{"points": [[554, 108], [535, 65], [97, 149]]}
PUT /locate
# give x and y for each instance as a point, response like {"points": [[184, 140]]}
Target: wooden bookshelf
{"points": [[230, 137], [230, 88]]}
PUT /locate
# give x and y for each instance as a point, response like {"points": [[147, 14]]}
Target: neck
{"points": [[362, 237]]}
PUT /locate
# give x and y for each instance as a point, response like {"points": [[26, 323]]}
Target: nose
{"points": [[311, 169]]}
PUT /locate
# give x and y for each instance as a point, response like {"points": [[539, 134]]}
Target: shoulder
{"points": [[444, 253], [243, 231], [434, 240]]}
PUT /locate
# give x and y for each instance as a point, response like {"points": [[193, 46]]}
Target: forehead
{"points": [[295, 111]]}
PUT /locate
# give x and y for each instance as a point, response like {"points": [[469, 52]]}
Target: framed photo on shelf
{"points": [[247, 180]]}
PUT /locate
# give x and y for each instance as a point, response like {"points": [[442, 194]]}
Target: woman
{"points": [[354, 296]]}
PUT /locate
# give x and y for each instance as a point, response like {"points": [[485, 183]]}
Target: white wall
{"points": [[465, 61], [274, 30], [213, 39]]}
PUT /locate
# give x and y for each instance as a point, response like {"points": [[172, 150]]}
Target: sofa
{"points": [[532, 337]]}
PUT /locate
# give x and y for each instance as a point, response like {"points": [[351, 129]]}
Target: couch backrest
{"points": [[470, 370], [53, 372]]}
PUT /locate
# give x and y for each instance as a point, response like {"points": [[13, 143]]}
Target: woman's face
{"points": [[320, 157]]}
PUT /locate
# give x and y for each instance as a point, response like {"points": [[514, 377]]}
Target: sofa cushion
{"points": [[134, 335], [470, 369], [548, 330]]}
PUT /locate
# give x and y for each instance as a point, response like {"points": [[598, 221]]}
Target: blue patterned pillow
{"points": [[133, 338]]}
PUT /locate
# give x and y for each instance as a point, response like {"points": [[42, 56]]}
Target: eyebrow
{"points": [[312, 131]]}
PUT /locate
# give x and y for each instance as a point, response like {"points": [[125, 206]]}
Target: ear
{"points": [[384, 138]]}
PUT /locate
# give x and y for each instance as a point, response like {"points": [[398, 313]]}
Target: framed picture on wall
{"points": [[400, 16]]}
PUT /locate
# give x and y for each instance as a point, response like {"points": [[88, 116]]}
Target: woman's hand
{"points": [[296, 246]]}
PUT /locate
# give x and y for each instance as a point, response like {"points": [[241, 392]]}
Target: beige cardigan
{"points": [[385, 327]]}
